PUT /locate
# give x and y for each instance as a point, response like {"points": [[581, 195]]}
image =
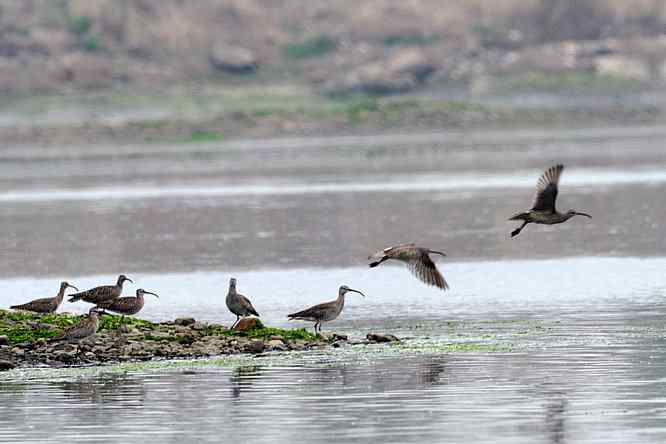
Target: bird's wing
{"points": [[245, 302], [547, 189], [390, 251], [424, 268], [311, 312], [37, 303], [119, 302]]}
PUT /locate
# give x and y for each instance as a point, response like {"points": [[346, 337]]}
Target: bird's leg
{"points": [[515, 232], [234, 324]]}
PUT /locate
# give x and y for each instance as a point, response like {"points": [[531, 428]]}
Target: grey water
{"points": [[556, 336]]}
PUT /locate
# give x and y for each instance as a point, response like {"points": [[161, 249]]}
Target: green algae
{"points": [[260, 331], [19, 334], [21, 326], [114, 322]]}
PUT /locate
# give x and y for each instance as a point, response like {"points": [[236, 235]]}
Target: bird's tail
{"points": [[18, 307], [74, 298]]}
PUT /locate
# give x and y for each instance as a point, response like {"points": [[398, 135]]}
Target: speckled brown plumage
{"points": [[543, 209], [46, 305], [86, 327], [127, 305], [417, 259], [101, 294], [238, 304], [324, 312]]}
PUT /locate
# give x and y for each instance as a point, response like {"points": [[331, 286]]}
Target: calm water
{"points": [[555, 336]]}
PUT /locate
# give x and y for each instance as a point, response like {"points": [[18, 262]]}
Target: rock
{"points": [[184, 321], [255, 346], [4, 340], [186, 340], [401, 72], [232, 59], [17, 351], [338, 337], [246, 324], [6, 365], [372, 78], [623, 66], [65, 355], [276, 344], [199, 326], [411, 61], [376, 337]]}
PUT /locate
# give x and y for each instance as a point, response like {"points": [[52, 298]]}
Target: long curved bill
{"points": [[356, 291], [584, 214], [148, 292], [71, 286]]}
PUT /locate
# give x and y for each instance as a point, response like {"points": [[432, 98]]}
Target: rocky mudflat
{"points": [[26, 340]]}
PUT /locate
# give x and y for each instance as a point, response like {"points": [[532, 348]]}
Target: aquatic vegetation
{"points": [[262, 332], [205, 136], [21, 326], [114, 322], [410, 39], [314, 47], [19, 334]]}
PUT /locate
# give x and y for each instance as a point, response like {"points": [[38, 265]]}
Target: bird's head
{"points": [[122, 278], [94, 311], [232, 283], [572, 213], [344, 289], [65, 284], [141, 292]]}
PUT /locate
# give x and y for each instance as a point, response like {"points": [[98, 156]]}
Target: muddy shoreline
{"points": [[26, 340]]}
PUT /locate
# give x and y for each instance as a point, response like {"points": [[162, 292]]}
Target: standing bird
{"points": [[102, 294], [128, 305], [238, 304], [417, 259], [46, 305], [86, 327], [543, 209], [324, 312]]}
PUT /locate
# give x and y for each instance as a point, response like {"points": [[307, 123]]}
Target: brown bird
{"points": [[417, 259], [128, 305], [543, 209], [238, 304], [86, 327], [101, 294], [46, 305], [324, 312]]}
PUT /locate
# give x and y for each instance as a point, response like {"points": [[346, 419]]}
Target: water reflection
{"points": [[242, 378]]}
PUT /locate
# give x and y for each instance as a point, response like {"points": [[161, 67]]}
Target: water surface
{"points": [[555, 336]]}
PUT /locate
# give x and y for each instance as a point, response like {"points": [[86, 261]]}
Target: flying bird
{"points": [[543, 209], [417, 259]]}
